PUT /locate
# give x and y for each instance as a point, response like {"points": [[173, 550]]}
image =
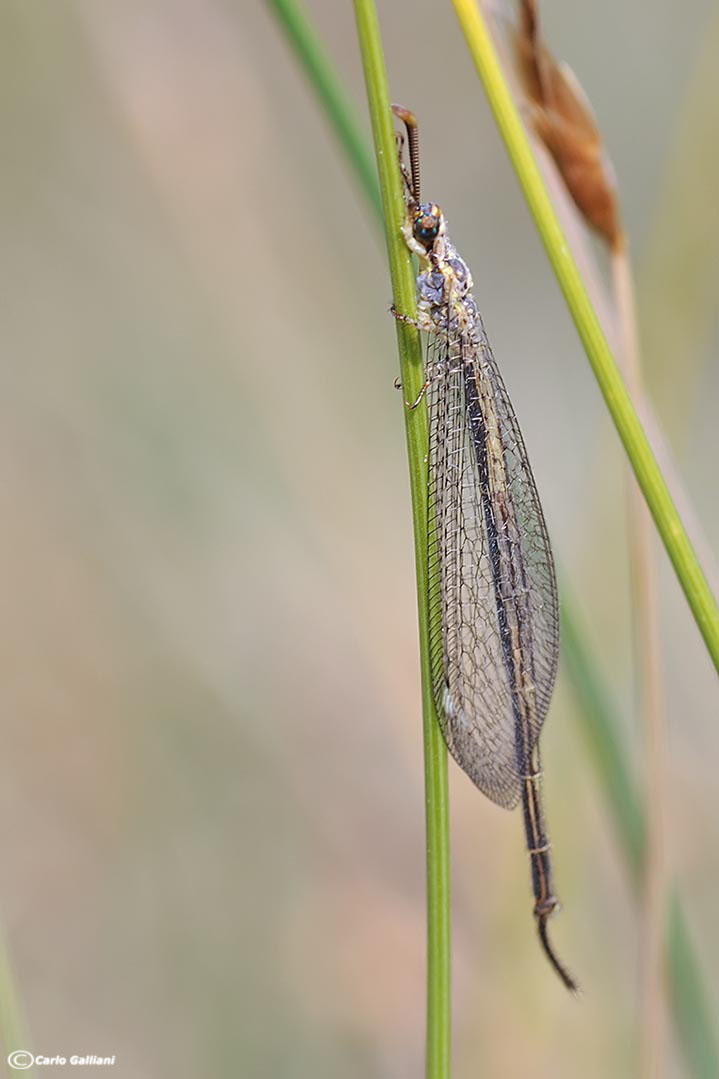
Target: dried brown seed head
{"points": [[562, 118]]}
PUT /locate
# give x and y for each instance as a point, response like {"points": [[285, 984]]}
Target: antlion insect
{"points": [[494, 611]]}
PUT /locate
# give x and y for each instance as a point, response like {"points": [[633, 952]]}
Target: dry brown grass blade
{"points": [[562, 118]]}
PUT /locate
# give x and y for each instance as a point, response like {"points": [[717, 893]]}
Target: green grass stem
{"points": [[331, 95], [402, 275], [649, 475]]}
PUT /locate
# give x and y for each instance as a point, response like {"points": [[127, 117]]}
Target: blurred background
{"points": [[211, 778]]}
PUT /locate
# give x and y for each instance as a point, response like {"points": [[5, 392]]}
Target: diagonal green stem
{"points": [[649, 475], [330, 93], [412, 375]]}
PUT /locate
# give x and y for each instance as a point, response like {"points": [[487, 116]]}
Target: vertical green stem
{"points": [[411, 368]]}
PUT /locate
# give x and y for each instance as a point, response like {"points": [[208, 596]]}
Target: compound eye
{"points": [[426, 227]]}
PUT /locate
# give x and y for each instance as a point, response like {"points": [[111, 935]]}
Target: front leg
{"points": [[411, 405], [414, 245], [423, 322], [420, 324]]}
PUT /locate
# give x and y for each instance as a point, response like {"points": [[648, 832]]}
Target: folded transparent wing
{"points": [[492, 590]]}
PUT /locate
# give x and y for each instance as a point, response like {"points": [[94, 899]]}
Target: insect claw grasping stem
{"points": [[411, 405]]}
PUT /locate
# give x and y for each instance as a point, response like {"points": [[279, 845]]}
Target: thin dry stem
{"points": [[648, 654], [562, 118]]}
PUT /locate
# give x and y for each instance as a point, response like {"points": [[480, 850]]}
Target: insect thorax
{"points": [[444, 293]]}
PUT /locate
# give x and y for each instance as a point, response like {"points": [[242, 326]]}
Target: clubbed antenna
{"points": [[410, 122]]}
